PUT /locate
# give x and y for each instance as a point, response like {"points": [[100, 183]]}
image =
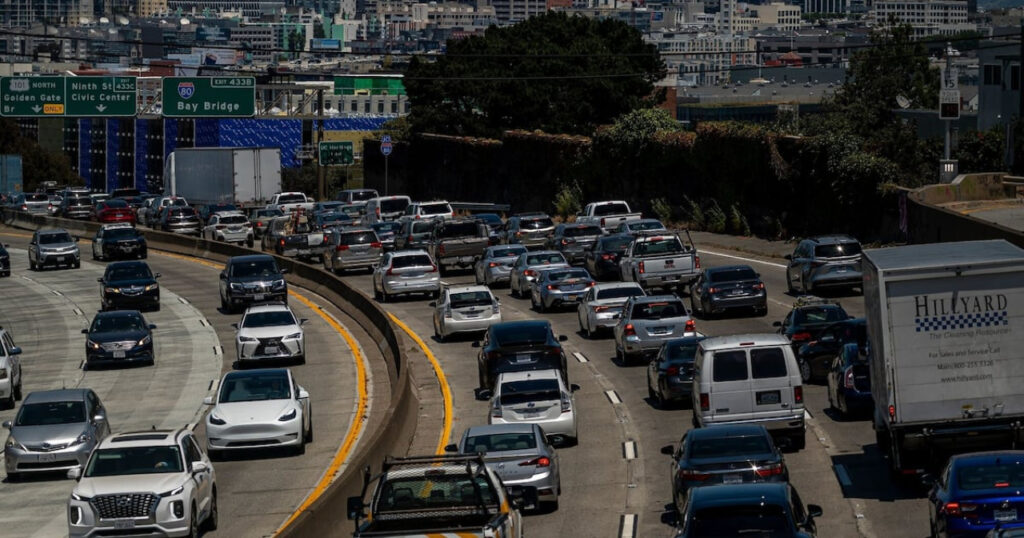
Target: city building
{"points": [[999, 84], [704, 58], [926, 17], [25, 13], [826, 6]]}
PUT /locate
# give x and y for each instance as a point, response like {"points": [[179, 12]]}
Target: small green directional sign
{"points": [[336, 153], [190, 97], [32, 96]]}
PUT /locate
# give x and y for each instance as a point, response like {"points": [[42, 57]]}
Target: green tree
{"points": [[37, 164], [555, 72]]}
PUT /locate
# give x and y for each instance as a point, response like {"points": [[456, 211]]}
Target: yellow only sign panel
{"points": [[53, 108]]}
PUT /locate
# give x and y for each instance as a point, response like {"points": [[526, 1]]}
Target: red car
{"points": [[114, 211]]}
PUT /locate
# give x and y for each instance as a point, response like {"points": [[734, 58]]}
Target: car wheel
{"points": [[549, 506], [383, 295], [309, 433], [211, 519], [620, 357], [17, 390], [437, 333], [78, 264], [586, 331], [377, 295], [31, 265], [805, 370], [13, 477], [789, 284], [653, 395], [476, 278], [215, 455], [224, 304], [799, 441], [193, 525], [300, 449]]}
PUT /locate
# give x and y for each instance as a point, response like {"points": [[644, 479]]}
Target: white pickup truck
{"points": [[608, 215], [660, 261], [290, 201]]}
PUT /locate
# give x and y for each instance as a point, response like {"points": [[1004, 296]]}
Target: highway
{"points": [[194, 342]]}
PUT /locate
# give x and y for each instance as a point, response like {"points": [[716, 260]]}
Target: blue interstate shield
{"points": [[186, 89]]}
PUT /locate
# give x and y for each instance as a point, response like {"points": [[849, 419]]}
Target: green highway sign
{"points": [[334, 153], [190, 97], [67, 96]]}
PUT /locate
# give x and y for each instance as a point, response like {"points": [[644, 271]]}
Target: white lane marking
{"points": [[183, 300], [78, 311], [629, 450], [192, 426], [218, 350], [844, 477], [203, 322], [752, 260], [627, 526], [613, 397], [580, 357], [57, 293]]}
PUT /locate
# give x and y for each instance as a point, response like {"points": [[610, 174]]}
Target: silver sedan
{"points": [[559, 287], [528, 266], [465, 309], [406, 272], [495, 266], [601, 307]]}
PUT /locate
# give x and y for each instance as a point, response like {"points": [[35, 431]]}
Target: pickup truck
{"points": [[290, 201], [660, 261], [439, 496], [458, 242], [294, 236], [608, 215]]}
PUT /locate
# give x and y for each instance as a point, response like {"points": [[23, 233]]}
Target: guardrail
{"points": [[393, 435]]}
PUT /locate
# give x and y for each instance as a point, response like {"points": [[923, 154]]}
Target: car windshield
{"points": [[604, 210], [536, 224], [614, 244], [470, 298], [362, 196], [658, 245], [269, 213], [177, 202], [1005, 472], [79, 201], [459, 229], [506, 335], [414, 260], [357, 238], [452, 489], [329, 206], [37, 197], [530, 390], [659, 310], [646, 225], [544, 259], [837, 250], [181, 212], [580, 231], [422, 227], [106, 324], [255, 386], [394, 205], [500, 442], [387, 227], [818, 314], [333, 216], [489, 218], [134, 460], [761, 520], [435, 208], [677, 352], [233, 219], [121, 233], [291, 199], [53, 239], [268, 319], [115, 204], [568, 275], [47, 413], [128, 272], [619, 292], [254, 268], [509, 252], [732, 275], [729, 447]]}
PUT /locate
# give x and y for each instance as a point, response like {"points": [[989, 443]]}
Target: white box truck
{"points": [[946, 336], [204, 176]]}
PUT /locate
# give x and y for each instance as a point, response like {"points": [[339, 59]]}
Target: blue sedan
{"points": [[849, 381], [559, 287], [976, 492]]}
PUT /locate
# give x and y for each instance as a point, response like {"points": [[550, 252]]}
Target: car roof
{"points": [[735, 494], [550, 373], [268, 307], [644, 299], [140, 438], [118, 314], [613, 285], [726, 430], [409, 252], [519, 248], [51, 231], [59, 395], [831, 239], [127, 263], [117, 226], [743, 340], [467, 289], [727, 268], [511, 325], [508, 427], [253, 371], [986, 457], [231, 213], [250, 258]]}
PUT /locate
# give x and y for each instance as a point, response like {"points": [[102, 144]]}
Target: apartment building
{"points": [[926, 17]]}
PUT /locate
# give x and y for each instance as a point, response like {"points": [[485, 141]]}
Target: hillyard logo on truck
{"points": [[960, 312]]}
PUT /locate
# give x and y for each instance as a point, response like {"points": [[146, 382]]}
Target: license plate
{"points": [[524, 358], [736, 292], [411, 275], [270, 350], [768, 397], [573, 298], [466, 259], [124, 523], [732, 479], [60, 258], [304, 252], [119, 354], [258, 297], [1005, 515], [47, 458]]}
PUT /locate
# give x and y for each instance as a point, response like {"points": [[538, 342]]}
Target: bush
{"points": [[737, 222], [662, 210], [714, 217], [567, 200], [694, 214]]}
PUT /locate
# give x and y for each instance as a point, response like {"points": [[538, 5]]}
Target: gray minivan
{"points": [[749, 379]]}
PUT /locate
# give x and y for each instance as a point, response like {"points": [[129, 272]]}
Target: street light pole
{"points": [[320, 188]]}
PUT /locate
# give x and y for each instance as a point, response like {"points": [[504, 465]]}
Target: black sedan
{"points": [[5, 261], [118, 337], [129, 285], [602, 261], [748, 510], [515, 346], [809, 316], [727, 454], [815, 357], [733, 287], [670, 374], [849, 381]]}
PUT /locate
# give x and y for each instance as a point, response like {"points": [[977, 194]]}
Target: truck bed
{"points": [[432, 524]]}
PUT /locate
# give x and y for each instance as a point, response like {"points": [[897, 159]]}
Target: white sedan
{"points": [[462, 309], [269, 332], [263, 408], [601, 307]]}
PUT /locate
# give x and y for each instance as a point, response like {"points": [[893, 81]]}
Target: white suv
{"points": [[269, 332], [155, 482]]}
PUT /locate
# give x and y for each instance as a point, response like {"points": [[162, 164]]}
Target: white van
{"points": [[749, 379], [385, 208]]}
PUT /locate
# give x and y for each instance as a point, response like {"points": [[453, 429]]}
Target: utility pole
{"points": [[320, 188], [948, 73]]}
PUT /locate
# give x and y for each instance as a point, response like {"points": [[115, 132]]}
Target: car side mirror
{"points": [[85, 331], [16, 350], [223, 276], [235, 326], [668, 450], [199, 467], [7, 424], [303, 394], [475, 344], [303, 321], [788, 257], [284, 271], [777, 324], [432, 303], [451, 448], [484, 394], [158, 275], [100, 280], [354, 507], [151, 326], [927, 480], [208, 400], [99, 418], [563, 338], [77, 239], [75, 473], [814, 510], [574, 387]]}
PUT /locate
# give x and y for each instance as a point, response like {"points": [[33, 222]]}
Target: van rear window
{"points": [[730, 366], [767, 363]]}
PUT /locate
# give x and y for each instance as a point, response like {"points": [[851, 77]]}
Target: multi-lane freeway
{"points": [[615, 480]]}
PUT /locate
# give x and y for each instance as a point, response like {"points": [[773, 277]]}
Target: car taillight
{"points": [[759, 286], [798, 394], [409, 239], [375, 244], [259, 224], [693, 476], [598, 308], [672, 370], [24, 207], [714, 290], [691, 326], [629, 330], [281, 242], [892, 412], [417, 217], [340, 248], [566, 403], [390, 271], [591, 284], [519, 234], [496, 410], [602, 222], [848, 379], [529, 272], [492, 264], [640, 267], [800, 337], [327, 238], [552, 287], [565, 242], [433, 268], [774, 469], [377, 210], [606, 256], [542, 461], [960, 509], [248, 225], [440, 249], [705, 401]]}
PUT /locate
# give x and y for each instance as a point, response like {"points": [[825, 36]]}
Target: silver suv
{"points": [[53, 247], [647, 322], [156, 482], [55, 430], [831, 261]]}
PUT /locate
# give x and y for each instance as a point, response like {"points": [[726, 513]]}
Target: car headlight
{"points": [[112, 290], [288, 416], [278, 284], [215, 420], [3, 373], [12, 442], [293, 336], [84, 438], [92, 345], [247, 339], [78, 497], [173, 492], [145, 340], [152, 287], [236, 286]]}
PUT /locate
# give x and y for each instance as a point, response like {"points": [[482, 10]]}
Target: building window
{"points": [[993, 75], [1015, 77]]}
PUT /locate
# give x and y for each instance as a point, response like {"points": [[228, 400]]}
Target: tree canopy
{"points": [[554, 72]]}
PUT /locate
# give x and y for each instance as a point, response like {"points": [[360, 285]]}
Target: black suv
{"points": [[829, 261], [515, 346], [119, 337], [129, 284], [119, 241], [252, 279], [76, 206]]}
